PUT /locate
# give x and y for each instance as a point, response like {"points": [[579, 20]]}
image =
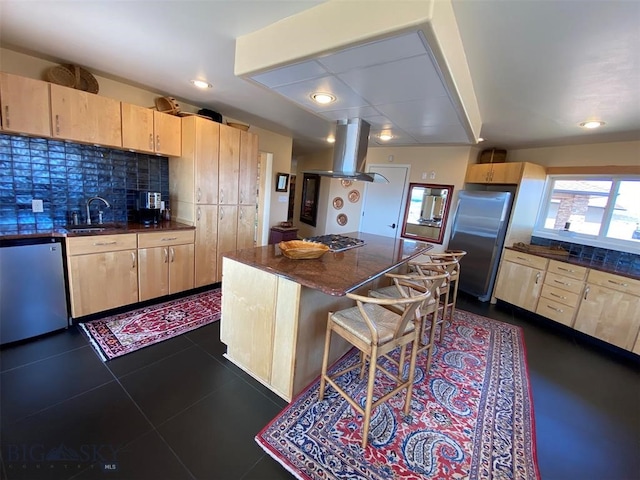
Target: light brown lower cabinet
{"points": [[609, 312], [206, 254], [520, 279], [166, 263], [103, 272]]}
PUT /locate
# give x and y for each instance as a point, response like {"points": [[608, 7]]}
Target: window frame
{"points": [[600, 240]]}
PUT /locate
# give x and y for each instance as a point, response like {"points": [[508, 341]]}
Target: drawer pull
{"points": [[169, 239], [522, 258], [102, 244], [562, 283], [566, 270], [558, 296], [620, 284], [559, 310]]}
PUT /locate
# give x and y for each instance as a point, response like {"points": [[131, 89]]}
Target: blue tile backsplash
{"points": [[615, 260], [64, 175]]}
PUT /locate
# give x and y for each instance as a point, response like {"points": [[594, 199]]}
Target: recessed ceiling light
{"points": [[385, 136], [331, 139], [322, 98], [201, 84], [591, 124]]}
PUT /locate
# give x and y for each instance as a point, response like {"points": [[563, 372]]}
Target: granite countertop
{"points": [[109, 229], [335, 273], [580, 262]]}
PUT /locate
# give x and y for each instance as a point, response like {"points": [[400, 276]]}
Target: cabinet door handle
{"points": [[199, 194], [57, 124], [222, 195], [241, 215], [173, 254], [537, 277], [198, 213], [586, 292], [133, 260], [157, 142], [620, 284], [166, 255], [151, 141], [102, 244], [6, 115], [221, 213]]}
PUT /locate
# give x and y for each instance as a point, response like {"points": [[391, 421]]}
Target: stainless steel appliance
{"points": [[337, 243], [32, 288], [149, 207], [479, 226]]}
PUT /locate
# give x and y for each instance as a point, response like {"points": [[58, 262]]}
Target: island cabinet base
{"points": [[274, 328]]}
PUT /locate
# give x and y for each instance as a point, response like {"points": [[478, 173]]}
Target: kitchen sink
{"points": [[93, 228]]}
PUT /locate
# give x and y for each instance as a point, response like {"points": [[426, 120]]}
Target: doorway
{"points": [[383, 202]]}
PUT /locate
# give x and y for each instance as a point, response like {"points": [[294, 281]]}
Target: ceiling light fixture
{"points": [[592, 124], [385, 136], [201, 84], [322, 98]]}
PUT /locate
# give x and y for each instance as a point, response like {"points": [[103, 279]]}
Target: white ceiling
{"points": [[539, 68]]}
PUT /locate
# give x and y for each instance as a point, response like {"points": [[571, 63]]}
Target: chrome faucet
{"points": [[89, 212]]}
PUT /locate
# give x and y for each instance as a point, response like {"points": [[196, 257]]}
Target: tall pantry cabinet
{"points": [[205, 183]]}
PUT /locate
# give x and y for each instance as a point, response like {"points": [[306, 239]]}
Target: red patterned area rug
{"points": [[127, 332], [471, 418]]}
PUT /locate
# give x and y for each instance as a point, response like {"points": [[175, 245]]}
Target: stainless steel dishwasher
{"points": [[33, 296]]}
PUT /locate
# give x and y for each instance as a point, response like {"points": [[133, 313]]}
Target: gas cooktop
{"points": [[337, 243]]}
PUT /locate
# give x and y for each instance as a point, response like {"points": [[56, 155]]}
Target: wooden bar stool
{"points": [[440, 263], [375, 331], [407, 285]]}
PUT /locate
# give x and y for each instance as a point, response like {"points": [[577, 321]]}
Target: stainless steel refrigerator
{"points": [[479, 227]]}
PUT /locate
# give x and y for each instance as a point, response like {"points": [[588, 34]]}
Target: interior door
{"points": [[383, 202]]}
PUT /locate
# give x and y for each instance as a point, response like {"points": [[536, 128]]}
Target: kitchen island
{"points": [[274, 309]]}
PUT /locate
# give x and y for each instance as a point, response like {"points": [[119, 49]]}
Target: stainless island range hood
{"points": [[350, 153]]}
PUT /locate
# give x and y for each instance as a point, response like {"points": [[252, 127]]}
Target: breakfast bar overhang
{"points": [[274, 309]]}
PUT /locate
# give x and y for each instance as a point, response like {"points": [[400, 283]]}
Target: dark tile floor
{"points": [[180, 410]]}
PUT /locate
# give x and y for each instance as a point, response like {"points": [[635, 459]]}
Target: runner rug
{"points": [[127, 332], [471, 417]]}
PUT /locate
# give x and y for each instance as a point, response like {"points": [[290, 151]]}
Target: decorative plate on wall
{"points": [[346, 183], [338, 203], [342, 219], [354, 196]]}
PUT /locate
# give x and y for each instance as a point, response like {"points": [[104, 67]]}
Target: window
{"points": [[596, 210]]}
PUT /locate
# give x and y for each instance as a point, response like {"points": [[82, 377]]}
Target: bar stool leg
{"points": [[369, 401], [325, 358]]}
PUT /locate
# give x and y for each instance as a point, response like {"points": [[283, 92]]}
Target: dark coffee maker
{"points": [[149, 207]]}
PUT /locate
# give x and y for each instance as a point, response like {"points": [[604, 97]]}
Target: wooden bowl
{"points": [[302, 250]]}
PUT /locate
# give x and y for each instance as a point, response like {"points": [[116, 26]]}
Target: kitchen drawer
{"points": [[562, 296], [525, 259], [564, 283], [556, 311], [162, 239], [567, 269], [615, 282], [101, 243]]}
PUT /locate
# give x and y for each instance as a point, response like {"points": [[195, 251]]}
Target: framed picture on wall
{"points": [[282, 182]]}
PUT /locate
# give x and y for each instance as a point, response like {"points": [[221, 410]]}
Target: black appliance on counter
{"points": [[149, 207]]}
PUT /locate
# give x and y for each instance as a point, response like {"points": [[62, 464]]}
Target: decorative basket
{"points": [[239, 126], [302, 250]]}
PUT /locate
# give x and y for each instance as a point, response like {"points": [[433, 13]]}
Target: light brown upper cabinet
{"points": [[248, 176], [147, 130], [503, 173], [85, 117], [229, 165], [25, 105]]}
